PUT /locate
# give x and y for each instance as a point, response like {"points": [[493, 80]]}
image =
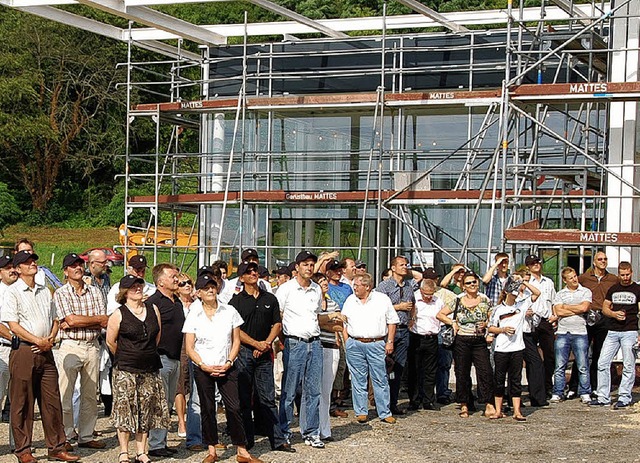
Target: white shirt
{"points": [[112, 305], [344, 279], [3, 288], [213, 336], [512, 316], [300, 308], [574, 324], [31, 307], [426, 321], [369, 319]]}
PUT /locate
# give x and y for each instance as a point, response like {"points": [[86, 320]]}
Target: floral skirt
{"points": [[139, 402]]}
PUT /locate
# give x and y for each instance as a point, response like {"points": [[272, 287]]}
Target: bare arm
{"points": [[86, 321], [155, 309], [113, 329], [25, 335], [5, 332], [443, 315], [567, 310], [391, 334], [447, 278], [607, 307]]}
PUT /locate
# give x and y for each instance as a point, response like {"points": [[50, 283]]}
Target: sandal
{"points": [[497, 416], [138, 460], [519, 418], [122, 460]]}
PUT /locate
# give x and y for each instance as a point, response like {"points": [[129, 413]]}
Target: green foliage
{"points": [[9, 210]]}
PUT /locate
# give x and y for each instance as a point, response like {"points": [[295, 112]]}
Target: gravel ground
{"points": [[565, 432]]}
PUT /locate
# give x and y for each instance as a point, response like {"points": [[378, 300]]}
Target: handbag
{"points": [[446, 332]]}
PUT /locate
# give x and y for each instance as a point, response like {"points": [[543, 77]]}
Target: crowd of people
{"points": [[265, 353]]}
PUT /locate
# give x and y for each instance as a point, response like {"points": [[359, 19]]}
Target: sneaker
{"points": [[597, 403], [555, 398], [585, 398], [314, 441], [618, 405], [572, 395]]}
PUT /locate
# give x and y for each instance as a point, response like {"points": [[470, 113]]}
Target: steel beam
{"points": [[429, 13]]}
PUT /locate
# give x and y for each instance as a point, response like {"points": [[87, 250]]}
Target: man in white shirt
{"points": [[369, 330], [423, 347], [234, 286], [300, 301], [569, 308], [8, 276]]}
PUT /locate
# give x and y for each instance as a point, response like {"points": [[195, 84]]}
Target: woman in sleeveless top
{"points": [[139, 402]]}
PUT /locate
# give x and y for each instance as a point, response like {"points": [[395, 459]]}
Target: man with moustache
{"points": [[28, 311], [262, 324], [82, 314], [8, 276]]}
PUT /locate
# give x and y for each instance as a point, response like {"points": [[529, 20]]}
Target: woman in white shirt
{"points": [[507, 322], [212, 337]]}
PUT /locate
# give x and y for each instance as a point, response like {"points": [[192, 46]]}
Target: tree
{"points": [[58, 105]]}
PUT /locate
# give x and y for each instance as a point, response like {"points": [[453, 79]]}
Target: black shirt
{"points": [[137, 352], [624, 298], [259, 314], [172, 319]]}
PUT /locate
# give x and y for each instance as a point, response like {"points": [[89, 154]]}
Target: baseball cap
{"points": [[263, 272], [531, 259], [23, 256], [360, 264], [248, 253], [71, 259], [128, 281], [430, 274], [334, 264], [291, 267], [205, 270], [205, 280], [5, 260], [305, 255], [282, 271], [244, 267], [138, 262]]}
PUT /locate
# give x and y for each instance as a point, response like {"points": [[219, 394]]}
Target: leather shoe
{"points": [[397, 411], [428, 406], [389, 420], [196, 448], [68, 447], [361, 418], [92, 444], [62, 455], [413, 407], [210, 458], [337, 413], [161, 453], [26, 457], [249, 459], [285, 448]]}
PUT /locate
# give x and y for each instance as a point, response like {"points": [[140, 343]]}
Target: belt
{"points": [[5, 343], [426, 335], [311, 339], [403, 326], [367, 340], [328, 345]]}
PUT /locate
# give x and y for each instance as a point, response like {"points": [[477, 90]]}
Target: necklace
{"points": [[139, 312]]}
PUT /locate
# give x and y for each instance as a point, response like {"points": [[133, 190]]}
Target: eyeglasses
{"points": [[182, 284], [603, 259], [470, 283]]}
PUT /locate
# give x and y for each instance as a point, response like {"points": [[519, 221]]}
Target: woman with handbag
{"points": [[472, 313]]}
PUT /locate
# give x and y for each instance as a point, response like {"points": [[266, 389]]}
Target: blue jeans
{"points": [[400, 354], [564, 344], [257, 374], [615, 341], [364, 360], [170, 373], [302, 366], [194, 425]]}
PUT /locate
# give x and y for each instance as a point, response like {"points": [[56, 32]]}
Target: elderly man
{"points": [[424, 328], [8, 276], [262, 324], [29, 312], [97, 272], [300, 302], [165, 277], [400, 290], [370, 321], [137, 266], [82, 314]]}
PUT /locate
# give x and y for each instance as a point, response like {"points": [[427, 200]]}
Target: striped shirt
{"points": [[398, 294], [89, 303], [30, 307]]}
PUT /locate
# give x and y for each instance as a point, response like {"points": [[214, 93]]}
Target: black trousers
{"points": [[597, 334], [423, 364], [228, 386], [511, 363], [546, 340], [535, 370], [469, 350]]}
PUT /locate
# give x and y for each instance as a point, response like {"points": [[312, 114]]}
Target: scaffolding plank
{"points": [[530, 232]]}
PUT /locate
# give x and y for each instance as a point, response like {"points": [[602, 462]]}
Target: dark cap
{"points": [[306, 255], [531, 259], [23, 256], [71, 259], [430, 274], [128, 281], [282, 271], [244, 267], [204, 280], [360, 264], [205, 270], [291, 268], [138, 262], [334, 264], [5, 260], [247, 253], [263, 272]]}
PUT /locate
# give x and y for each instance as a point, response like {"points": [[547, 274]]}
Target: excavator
{"points": [[134, 240]]}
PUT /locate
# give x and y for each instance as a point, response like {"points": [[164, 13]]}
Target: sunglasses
{"points": [[470, 283], [182, 284], [602, 259]]}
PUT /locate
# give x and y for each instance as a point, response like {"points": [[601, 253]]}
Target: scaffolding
{"points": [[250, 152]]}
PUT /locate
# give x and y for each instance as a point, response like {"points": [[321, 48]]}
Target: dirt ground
{"points": [[565, 432]]}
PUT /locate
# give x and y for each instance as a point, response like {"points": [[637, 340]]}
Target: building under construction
{"points": [[443, 137]]}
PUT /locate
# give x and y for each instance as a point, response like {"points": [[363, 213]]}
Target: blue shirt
{"points": [[398, 294], [339, 293]]}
